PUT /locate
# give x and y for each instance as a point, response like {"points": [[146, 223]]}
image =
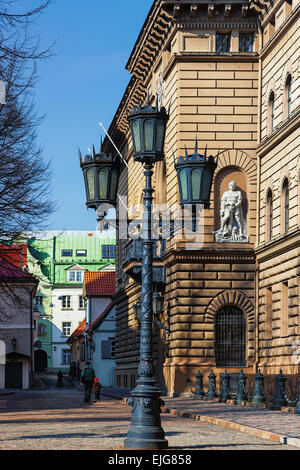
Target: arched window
{"points": [[230, 337], [269, 216], [288, 96], [271, 112], [285, 205]]}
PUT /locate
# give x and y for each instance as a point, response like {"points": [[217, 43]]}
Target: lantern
{"points": [[148, 130], [195, 174], [158, 304], [101, 178]]}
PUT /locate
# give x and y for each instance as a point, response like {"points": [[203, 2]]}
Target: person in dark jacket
{"points": [[87, 378], [96, 389]]}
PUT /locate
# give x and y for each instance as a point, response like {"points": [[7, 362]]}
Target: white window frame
{"points": [[66, 301], [77, 277], [66, 330], [66, 352]]}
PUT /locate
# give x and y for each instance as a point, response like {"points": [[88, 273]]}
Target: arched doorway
{"points": [[230, 337], [40, 360]]}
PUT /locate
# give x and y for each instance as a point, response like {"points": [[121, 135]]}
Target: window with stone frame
{"points": [[223, 41], [269, 216], [287, 100], [271, 118], [230, 337], [285, 206], [246, 41]]}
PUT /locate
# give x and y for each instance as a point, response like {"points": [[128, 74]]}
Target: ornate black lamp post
{"points": [[148, 128]]}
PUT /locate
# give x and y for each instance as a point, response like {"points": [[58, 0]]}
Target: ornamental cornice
{"points": [[233, 256]]}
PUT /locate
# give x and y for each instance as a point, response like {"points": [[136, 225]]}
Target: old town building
{"points": [[228, 74]]}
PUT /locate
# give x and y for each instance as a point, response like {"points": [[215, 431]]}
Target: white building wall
{"points": [[104, 368], [60, 315]]}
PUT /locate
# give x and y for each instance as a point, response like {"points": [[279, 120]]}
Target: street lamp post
{"points": [[148, 127], [195, 175]]}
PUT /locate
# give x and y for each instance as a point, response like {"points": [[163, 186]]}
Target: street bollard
{"points": [[199, 391], [259, 395], [241, 394], [59, 382], [297, 409], [225, 389], [212, 391], [279, 398]]}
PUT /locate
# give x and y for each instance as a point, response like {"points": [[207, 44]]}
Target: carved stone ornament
{"points": [[160, 89], [232, 228]]}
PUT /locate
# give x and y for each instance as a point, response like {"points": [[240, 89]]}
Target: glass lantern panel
{"points": [[160, 133], [103, 182], [183, 184], [90, 178], [196, 183], [114, 183], [136, 136], [207, 181], [149, 134]]}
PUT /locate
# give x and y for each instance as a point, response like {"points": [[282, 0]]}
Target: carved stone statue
{"points": [[232, 221]]}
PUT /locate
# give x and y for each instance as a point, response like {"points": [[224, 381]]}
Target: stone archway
{"points": [[230, 297], [238, 300]]}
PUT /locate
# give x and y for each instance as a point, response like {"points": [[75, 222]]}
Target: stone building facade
{"points": [[229, 76]]}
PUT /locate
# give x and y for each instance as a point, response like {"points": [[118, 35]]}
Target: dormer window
{"points": [[75, 275]]}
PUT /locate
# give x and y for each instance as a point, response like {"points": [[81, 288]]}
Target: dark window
{"points": [[108, 251], [66, 357], [66, 301], [246, 42], [271, 111], [41, 329], [230, 337], [81, 252], [223, 42], [285, 191], [81, 302], [288, 88], [38, 301], [269, 215], [66, 328], [66, 252]]}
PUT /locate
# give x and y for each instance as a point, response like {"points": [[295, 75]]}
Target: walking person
{"points": [[87, 378], [96, 389]]}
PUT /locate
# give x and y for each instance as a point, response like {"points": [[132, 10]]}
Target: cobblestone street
{"points": [[58, 419]]}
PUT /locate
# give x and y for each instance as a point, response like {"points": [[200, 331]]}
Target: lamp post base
{"points": [[145, 431]]}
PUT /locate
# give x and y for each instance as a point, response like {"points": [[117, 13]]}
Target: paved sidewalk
{"points": [[276, 426], [58, 419]]}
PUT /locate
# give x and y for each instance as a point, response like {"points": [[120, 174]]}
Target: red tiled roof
{"points": [[100, 283], [14, 254], [79, 330], [11, 272]]}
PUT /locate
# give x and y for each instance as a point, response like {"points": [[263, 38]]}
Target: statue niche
{"points": [[232, 222]]}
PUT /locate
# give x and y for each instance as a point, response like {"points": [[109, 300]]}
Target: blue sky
{"points": [[80, 86]]}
